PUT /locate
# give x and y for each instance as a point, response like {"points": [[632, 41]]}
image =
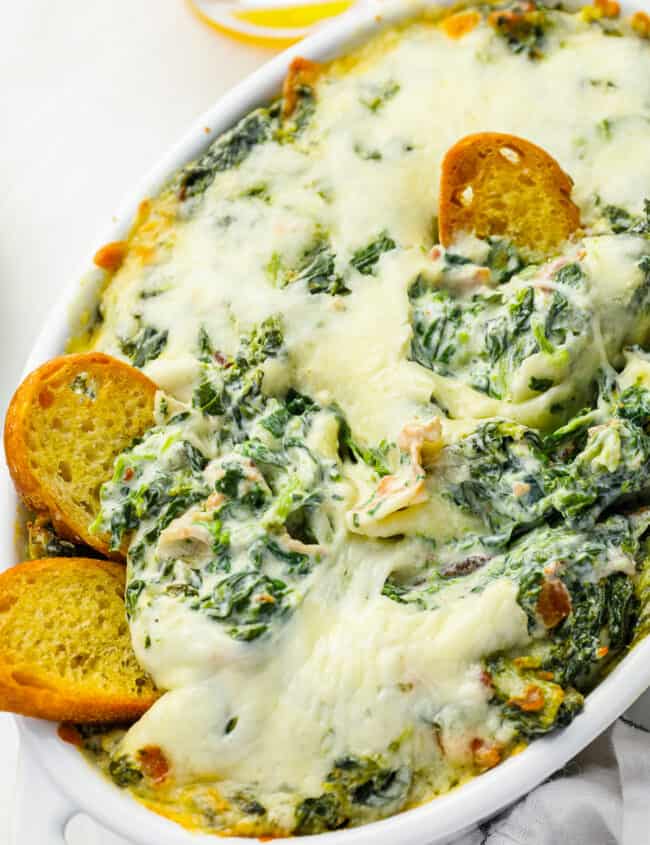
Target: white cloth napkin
{"points": [[602, 797]]}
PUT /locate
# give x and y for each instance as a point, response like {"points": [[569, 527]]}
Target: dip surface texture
{"points": [[388, 527]]}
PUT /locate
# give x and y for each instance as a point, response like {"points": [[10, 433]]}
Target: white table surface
{"points": [[91, 93]]}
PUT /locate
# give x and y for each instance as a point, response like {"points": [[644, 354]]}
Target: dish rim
{"points": [[443, 818]]}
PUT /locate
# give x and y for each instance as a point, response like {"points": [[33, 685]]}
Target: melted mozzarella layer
{"points": [[353, 670], [215, 273], [351, 675]]}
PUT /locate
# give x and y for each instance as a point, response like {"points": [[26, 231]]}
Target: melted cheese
{"points": [[216, 272], [389, 670], [353, 670]]}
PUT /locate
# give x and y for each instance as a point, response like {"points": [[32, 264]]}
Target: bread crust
{"points": [[35, 690], [466, 167], [29, 401]]}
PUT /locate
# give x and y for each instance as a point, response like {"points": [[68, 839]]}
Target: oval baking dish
{"points": [[434, 823]]}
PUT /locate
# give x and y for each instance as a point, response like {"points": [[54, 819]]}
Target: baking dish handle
{"points": [[41, 811], [44, 816]]}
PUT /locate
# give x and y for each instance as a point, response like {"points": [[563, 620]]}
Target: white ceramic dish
{"points": [[438, 822]]}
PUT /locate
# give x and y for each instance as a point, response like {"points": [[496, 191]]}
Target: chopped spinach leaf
{"points": [[246, 602], [205, 347], [484, 338], [540, 385], [621, 220], [124, 772], [317, 270], [228, 151], [503, 260], [569, 274], [366, 153], [533, 704], [351, 449], [258, 191], [298, 404], [501, 477], [611, 465], [145, 345], [276, 421], [365, 259], [380, 95], [634, 405], [261, 454], [523, 26], [369, 782], [232, 387], [132, 594], [317, 815]]}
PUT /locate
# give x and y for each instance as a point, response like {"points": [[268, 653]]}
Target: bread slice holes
{"points": [[510, 155], [467, 196], [64, 471]]}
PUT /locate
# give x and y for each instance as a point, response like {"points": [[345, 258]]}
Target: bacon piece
{"points": [[553, 602], [520, 488], [301, 72], [530, 701], [69, 733], [460, 24], [486, 679], [487, 755], [609, 8], [293, 545], [464, 567], [406, 487], [511, 20], [111, 256], [640, 23], [153, 762], [413, 437]]}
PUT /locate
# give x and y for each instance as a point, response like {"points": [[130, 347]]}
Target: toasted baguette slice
{"points": [[65, 648], [496, 184], [65, 424]]}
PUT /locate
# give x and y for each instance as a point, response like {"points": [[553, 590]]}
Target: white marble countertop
{"points": [[91, 93]]}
